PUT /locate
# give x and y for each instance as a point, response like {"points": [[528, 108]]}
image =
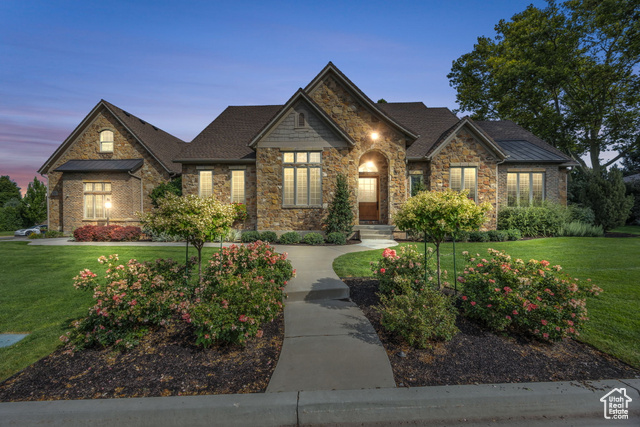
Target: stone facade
{"points": [[222, 185], [66, 195], [465, 150]]}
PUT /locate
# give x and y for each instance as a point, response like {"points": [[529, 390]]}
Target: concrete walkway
{"points": [[329, 344]]}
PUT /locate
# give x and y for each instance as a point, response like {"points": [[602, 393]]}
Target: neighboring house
{"points": [[631, 178], [283, 160]]}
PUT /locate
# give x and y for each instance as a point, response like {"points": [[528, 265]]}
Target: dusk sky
{"points": [[177, 65]]}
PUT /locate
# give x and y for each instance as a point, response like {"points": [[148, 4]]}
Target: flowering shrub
{"points": [[242, 288], [406, 263], [128, 301], [528, 296], [106, 233], [419, 316]]}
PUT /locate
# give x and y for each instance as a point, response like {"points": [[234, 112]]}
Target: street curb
{"points": [[561, 403]]}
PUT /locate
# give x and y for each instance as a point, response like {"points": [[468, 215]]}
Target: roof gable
{"points": [[331, 70], [301, 97], [482, 136], [161, 145]]}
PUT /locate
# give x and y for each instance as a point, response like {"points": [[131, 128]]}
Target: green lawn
{"points": [[631, 229], [37, 294], [612, 264], [6, 233]]}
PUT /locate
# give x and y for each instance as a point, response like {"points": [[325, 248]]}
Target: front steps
{"points": [[375, 232]]}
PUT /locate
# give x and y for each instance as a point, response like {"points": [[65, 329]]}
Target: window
{"points": [[464, 179], [301, 122], [205, 183], [302, 178], [525, 188], [106, 141], [95, 196], [237, 186], [416, 184]]}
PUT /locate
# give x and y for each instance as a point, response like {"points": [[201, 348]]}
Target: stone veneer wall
{"points": [[465, 150], [360, 122], [222, 185], [424, 168], [66, 210], [555, 180]]}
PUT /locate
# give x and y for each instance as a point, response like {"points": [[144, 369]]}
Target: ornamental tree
{"points": [[438, 214], [195, 219], [34, 203], [340, 217]]}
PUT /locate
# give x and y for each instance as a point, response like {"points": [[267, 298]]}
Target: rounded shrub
{"points": [[289, 238], [269, 236], [250, 237], [478, 236], [313, 239], [514, 234], [419, 316], [497, 235], [402, 271], [337, 238]]}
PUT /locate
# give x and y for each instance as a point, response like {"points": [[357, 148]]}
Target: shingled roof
{"points": [[228, 136], [162, 145]]}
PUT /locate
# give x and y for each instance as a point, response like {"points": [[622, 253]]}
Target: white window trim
{"points": [[462, 169], [100, 141], [530, 173], [295, 166], [200, 182], [244, 187]]}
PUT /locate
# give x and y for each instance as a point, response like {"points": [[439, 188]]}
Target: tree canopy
{"points": [[34, 203], [568, 73], [8, 190]]}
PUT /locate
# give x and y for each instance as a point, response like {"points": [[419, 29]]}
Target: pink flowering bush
{"points": [[532, 297], [401, 270], [242, 288], [129, 299]]}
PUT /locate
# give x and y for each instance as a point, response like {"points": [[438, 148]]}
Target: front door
{"points": [[368, 199]]}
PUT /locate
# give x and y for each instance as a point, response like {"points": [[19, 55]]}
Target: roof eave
{"points": [[214, 160]]}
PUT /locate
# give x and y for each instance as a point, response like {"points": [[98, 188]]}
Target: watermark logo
{"points": [[616, 404]]}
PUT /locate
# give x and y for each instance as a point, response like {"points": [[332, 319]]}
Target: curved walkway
{"points": [[329, 344]]}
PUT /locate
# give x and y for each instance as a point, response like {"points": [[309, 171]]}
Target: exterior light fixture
{"points": [[374, 135], [107, 206]]}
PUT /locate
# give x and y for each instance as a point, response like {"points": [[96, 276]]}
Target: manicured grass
{"points": [[6, 233], [37, 294], [630, 229], [611, 263]]}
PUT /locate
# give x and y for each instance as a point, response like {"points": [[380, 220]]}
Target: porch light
{"points": [[374, 135]]}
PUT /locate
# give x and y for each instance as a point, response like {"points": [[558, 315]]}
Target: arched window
{"points": [[106, 141], [368, 167]]}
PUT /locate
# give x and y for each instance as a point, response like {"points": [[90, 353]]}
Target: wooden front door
{"points": [[368, 199]]}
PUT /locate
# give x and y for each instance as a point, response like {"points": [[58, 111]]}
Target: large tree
{"points": [[568, 73], [34, 203]]}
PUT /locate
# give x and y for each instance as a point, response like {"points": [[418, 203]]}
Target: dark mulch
{"points": [[477, 356], [166, 363]]}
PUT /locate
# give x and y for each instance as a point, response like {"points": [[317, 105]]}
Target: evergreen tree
{"points": [[34, 203], [8, 190], [340, 217], [605, 194], [10, 218]]}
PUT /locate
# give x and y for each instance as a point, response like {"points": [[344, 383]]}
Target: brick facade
{"points": [[66, 195]]}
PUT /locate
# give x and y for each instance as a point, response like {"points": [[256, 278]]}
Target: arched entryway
{"points": [[373, 189]]}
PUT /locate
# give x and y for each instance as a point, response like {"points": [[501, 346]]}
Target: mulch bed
{"points": [[166, 363], [477, 356]]}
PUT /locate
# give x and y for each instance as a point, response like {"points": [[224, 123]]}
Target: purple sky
{"points": [[177, 65]]}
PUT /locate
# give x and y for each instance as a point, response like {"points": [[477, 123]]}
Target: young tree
{"points": [[34, 203], [8, 190], [340, 217], [438, 214], [195, 219], [10, 218], [568, 73]]}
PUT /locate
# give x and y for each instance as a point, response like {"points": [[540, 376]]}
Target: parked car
{"points": [[37, 229]]}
